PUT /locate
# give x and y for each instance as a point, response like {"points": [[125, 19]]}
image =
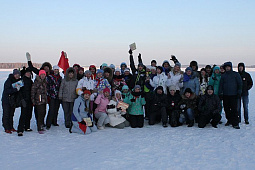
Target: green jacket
{"points": [[215, 82], [135, 108]]}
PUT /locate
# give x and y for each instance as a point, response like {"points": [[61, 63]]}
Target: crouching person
{"points": [[114, 113], [210, 108], [102, 101], [82, 117], [136, 102], [158, 107], [188, 106]]}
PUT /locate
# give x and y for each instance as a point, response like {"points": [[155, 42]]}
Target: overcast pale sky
{"points": [[101, 31]]}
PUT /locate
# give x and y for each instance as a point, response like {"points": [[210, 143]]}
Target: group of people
{"points": [[122, 97]]}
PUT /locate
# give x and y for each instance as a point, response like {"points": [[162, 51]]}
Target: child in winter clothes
{"points": [[115, 114], [136, 102], [67, 94], [9, 105], [39, 99], [100, 82], [188, 105], [81, 110], [86, 83], [53, 85], [102, 101], [210, 108]]}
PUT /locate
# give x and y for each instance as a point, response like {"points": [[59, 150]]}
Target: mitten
{"points": [[28, 56]]}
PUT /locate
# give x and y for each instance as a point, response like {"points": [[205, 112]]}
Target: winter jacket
{"points": [[158, 101], [136, 103], [109, 70], [67, 90], [173, 101], [203, 85], [53, 85], [114, 115], [26, 90], [80, 111], [159, 80], [100, 84], [102, 103], [128, 79], [230, 82], [93, 76], [118, 82], [39, 91], [138, 77], [89, 84], [192, 83], [247, 80], [148, 87], [9, 90], [215, 81], [191, 102], [209, 104], [175, 80]]}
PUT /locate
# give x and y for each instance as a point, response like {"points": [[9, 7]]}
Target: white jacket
{"points": [[84, 82], [114, 115], [159, 80], [175, 80]]}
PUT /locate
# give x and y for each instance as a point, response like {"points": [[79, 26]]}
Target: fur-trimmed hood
{"points": [[67, 72]]}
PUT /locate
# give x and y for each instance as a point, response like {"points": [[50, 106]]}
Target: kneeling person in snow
{"points": [[210, 108], [82, 117], [115, 114]]}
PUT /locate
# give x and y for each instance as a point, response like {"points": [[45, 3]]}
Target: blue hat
{"points": [[188, 68], [16, 71], [123, 63], [112, 66], [125, 87], [100, 71], [104, 65]]}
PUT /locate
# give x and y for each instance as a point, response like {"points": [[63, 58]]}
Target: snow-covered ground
{"points": [[151, 147]]}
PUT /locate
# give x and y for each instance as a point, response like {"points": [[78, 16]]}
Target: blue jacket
{"points": [[193, 84], [230, 82]]}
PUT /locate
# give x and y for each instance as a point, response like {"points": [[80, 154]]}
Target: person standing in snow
{"points": [[100, 83], [203, 81], [190, 81], [26, 112], [194, 66], [159, 80], [127, 76], [215, 80], [208, 70], [230, 91], [82, 117], [210, 108], [11, 99], [93, 69], [67, 94], [80, 73], [135, 110], [53, 85], [176, 78], [247, 84], [39, 99], [86, 83]]}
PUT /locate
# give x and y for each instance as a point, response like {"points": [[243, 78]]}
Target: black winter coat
{"points": [[158, 101], [190, 102], [209, 104], [173, 101], [246, 79], [26, 90]]}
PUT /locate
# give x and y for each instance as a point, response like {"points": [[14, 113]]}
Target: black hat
{"points": [[210, 87], [208, 66], [202, 69], [188, 90], [159, 88]]}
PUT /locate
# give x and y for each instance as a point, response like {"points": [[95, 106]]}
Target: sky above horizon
{"points": [[94, 32]]}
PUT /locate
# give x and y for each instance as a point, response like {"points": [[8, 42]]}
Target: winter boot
{"points": [[227, 124], [247, 122], [13, 130], [191, 123], [8, 131], [20, 134], [164, 125], [28, 130], [236, 127]]}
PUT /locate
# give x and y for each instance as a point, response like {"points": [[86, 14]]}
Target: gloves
{"points": [[132, 100], [23, 103], [183, 106], [130, 52], [221, 97], [173, 58], [18, 88], [28, 56], [110, 106], [139, 57], [119, 109], [83, 122]]}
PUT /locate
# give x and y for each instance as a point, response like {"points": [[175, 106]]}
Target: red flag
{"points": [[63, 61]]}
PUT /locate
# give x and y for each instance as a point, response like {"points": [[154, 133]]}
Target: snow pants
{"points": [[8, 113], [25, 116], [157, 115], [68, 110], [103, 119], [53, 112], [207, 118], [136, 121], [230, 108], [41, 112]]}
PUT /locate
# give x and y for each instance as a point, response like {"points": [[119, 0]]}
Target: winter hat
{"points": [[203, 69], [208, 66], [55, 67], [80, 68], [92, 66], [160, 68], [87, 72], [86, 92], [125, 87], [153, 68], [123, 63], [137, 86], [165, 61], [148, 67], [117, 69], [193, 63], [104, 65], [16, 71], [127, 69], [210, 87], [177, 64], [28, 70], [160, 88], [227, 64], [100, 71], [106, 90], [172, 88], [241, 64], [188, 90], [188, 68], [117, 91], [153, 61], [216, 68], [76, 65], [112, 66], [42, 72]]}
